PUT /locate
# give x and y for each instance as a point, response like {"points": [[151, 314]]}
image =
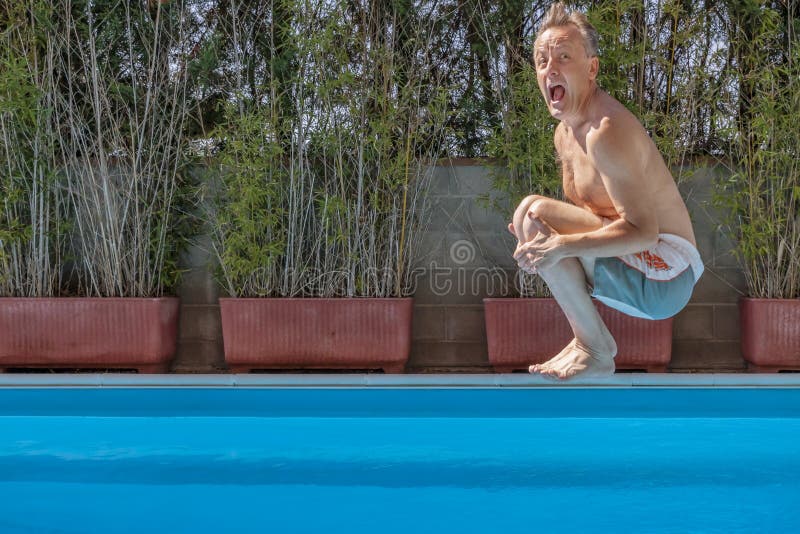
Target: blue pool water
{"points": [[399, 460]]}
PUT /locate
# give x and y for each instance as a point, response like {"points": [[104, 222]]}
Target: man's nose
{"points": [[551, 67]]}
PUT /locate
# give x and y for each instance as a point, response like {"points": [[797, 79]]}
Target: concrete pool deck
{"points": [[365, 380]]}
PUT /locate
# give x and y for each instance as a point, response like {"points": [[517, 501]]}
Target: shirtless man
{"points": [[626, 238]]}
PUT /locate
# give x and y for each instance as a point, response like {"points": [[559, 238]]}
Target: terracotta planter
{"points": [[341, 333], [770, 334], [98, 333], [520, 332]]}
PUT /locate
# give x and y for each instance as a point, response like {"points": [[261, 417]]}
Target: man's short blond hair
{"points": [[559, 16]]}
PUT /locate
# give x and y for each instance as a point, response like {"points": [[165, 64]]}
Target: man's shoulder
{"points": [[615, 128], [617, 140]]}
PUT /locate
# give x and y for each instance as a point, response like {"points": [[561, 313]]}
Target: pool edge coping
{"points": [[443, 380]]}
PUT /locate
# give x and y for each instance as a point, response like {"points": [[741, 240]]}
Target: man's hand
{"points": [[542, 252]]}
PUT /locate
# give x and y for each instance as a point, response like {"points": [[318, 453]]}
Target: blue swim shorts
{"points": [[653, 284]]}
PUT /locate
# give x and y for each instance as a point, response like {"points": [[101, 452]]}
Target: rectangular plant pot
{"points": [[523, 331], [311, 333], [98, 333], [770, 334]]}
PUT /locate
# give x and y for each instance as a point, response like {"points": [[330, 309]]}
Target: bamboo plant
{"points": [[119, 103], [762, 194], [30, 222], [326, 198], [93, 105]]}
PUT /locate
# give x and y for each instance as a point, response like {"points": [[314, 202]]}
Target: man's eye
{"points": [[564, 56]]}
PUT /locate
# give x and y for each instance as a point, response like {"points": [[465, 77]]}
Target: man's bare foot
{"points": [[541, 367], [584, 361]]}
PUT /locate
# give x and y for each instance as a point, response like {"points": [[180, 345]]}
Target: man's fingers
{"points": [[526, 267], [525, 255]]}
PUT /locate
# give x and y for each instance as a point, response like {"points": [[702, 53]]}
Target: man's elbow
{"points": [[649, 236], [646, 233]]}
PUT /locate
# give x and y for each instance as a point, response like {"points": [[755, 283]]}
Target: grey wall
{"points": [[706, 333], [200, 326], [467, 258]]}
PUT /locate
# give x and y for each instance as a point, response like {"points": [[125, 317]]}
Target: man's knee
{"points": [[541, 208], [526, 203]]}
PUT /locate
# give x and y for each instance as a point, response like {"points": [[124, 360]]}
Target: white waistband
{"points": [[667, 259], [688, 249]]}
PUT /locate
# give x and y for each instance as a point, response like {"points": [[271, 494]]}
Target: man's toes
{"points": [[539, 368], [569, 371]]}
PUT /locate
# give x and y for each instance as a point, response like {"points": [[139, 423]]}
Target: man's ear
{"points": [[594, 67]]}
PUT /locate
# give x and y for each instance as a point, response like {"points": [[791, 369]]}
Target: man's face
{"points": [[564, 70]]}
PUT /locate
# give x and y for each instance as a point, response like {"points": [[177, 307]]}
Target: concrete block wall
{"points": [[200, 325], [467, 258], [470, 259], [706, 332]]}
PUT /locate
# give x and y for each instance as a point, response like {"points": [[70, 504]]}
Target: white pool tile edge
{"points": [[397, 381]]}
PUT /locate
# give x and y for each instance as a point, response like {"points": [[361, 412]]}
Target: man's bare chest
{"points": [[582, 182]]}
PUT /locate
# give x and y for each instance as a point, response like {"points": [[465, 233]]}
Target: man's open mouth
{"points": [[556, 92]]}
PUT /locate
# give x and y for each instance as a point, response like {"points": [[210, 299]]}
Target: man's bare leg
{"points": [[566, 355], [594, 347], [524, 228], [563, 218]]}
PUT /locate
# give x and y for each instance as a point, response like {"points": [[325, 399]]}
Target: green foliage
{"points": [[675, 46], [524, 144], [762, 195], [325, 114], [327, 198], [127, 179], [91, 123], [250, 194], [616, 56], [29, 227]]}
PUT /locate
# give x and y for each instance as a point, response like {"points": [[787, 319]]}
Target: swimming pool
{"points": [[399, 459]]}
